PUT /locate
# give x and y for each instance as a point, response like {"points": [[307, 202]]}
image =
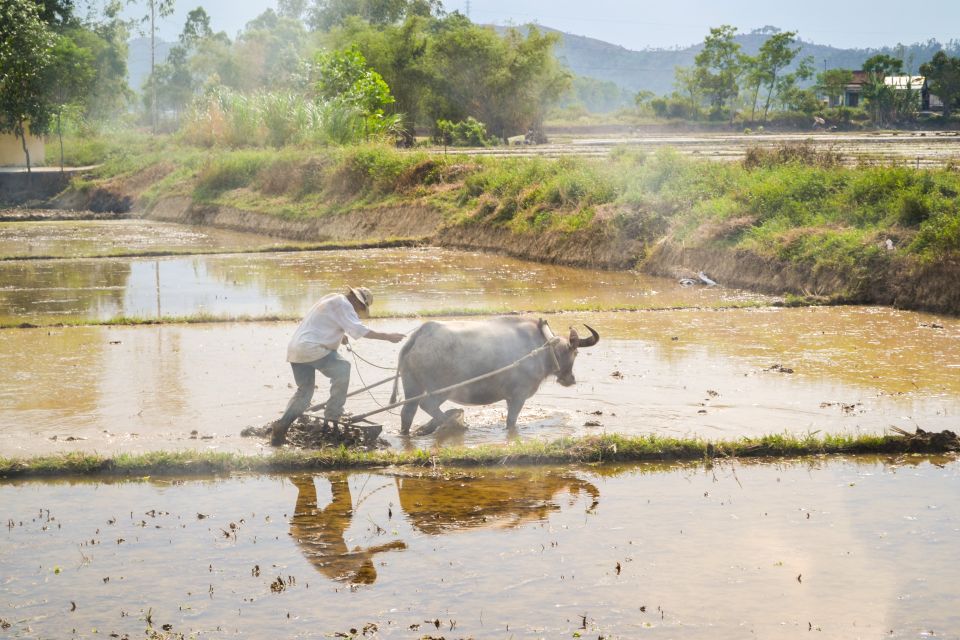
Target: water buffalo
{"points": [[440, 354]]}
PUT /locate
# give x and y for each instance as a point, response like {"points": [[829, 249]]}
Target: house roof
{"points": [[905, 82]]}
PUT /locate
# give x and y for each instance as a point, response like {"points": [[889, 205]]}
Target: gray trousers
{"points": [[334, 367]]}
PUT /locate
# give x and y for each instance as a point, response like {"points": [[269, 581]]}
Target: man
{"points": [[313, 348]]}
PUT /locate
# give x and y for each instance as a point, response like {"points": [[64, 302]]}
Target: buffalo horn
{"points": [[547, 332], [594, 338]]}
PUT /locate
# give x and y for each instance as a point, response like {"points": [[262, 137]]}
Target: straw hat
{"points": [[363, 296]]}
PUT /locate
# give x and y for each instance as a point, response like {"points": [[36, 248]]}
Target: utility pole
{"points": [[468, 8], [153, 77]]}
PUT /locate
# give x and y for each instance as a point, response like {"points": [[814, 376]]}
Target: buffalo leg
{"points": [[411, 389], [406, 416], [432, 406], [513, 411]]}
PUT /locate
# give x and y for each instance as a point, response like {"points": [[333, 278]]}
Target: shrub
{"points": [[466, 133], [804, 153], [229, 171]]}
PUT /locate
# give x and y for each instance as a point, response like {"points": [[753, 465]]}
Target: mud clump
{"points": [[312, 432], [930, 441]]}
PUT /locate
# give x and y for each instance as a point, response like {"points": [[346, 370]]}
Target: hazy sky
{"points": [[667, 23]]}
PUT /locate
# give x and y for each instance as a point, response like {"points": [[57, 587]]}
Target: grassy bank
{"points": [[600, 449], [208, 318], [789, 206]]}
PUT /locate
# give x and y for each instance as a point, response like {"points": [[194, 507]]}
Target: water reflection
{"points": [[438, 504], [856, 548], [320, 532], [408, 280], [432, 504]]}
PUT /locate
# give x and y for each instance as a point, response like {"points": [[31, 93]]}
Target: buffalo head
{"points": [[566, 351]]}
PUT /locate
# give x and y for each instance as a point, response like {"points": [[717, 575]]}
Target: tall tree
{"points": [[505, 82], [776, 53], [326, 14], [718, 67], [943, 78], [26, 43], [880, 95], [398, 53], [70, 76], [155, 9]]}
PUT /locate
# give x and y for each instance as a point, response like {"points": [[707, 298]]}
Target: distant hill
{"points": [[653, 69], [138, 60]]}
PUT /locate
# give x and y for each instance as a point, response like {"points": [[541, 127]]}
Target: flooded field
{"points": [[106, 237], [832, 549], [406, 281], [912, 148], [716, 374]]}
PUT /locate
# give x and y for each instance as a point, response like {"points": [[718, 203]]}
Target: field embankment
{"points": [[790, 220]]}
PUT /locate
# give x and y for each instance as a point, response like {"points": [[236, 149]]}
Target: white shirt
{"points": [[322, 329]]}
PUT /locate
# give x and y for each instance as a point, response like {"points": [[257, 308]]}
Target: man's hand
{"points": [[395, 337]]}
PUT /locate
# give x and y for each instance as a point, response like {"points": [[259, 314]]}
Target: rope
{"points": [[376, 366], [362, 382], [547, 345]]}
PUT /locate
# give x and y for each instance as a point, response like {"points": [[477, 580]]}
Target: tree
{"points": [[269, 54], [833, 82], [173, 84], [345, 80], [106, 39], [879, 95], [327, 14], [943, 78], [155, 9], [26, 43], [70, 76], [398, 54], [344, 75], [775, 54], [788, 93], [686, 84], [719, 66]]}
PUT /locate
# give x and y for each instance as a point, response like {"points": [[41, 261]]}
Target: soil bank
{"points": [[901, 282]]}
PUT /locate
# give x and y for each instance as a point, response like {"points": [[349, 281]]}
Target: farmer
{"points": [[313, 348]]}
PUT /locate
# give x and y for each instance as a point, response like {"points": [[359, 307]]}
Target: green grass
{"points": [[447, 312], [352, 245], [593, 449], [795, 203]]}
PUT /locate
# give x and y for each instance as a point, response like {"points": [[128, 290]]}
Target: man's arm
{"points": [[389, 337]]}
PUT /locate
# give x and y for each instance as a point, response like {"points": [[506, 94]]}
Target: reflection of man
{"points": [[320, 532], [313, 348]]}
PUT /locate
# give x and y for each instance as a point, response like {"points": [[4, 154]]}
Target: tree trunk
{"points": [[21, 131], [753, 110], [766, 107], [60, 135]]}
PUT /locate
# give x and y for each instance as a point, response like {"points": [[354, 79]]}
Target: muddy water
{"points": [[841, 549], [680, 373], [405, 281], [105, 237]]}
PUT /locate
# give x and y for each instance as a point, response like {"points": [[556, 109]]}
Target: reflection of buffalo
{"points": [[438, 505], [433, 505], [319, 532]]}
